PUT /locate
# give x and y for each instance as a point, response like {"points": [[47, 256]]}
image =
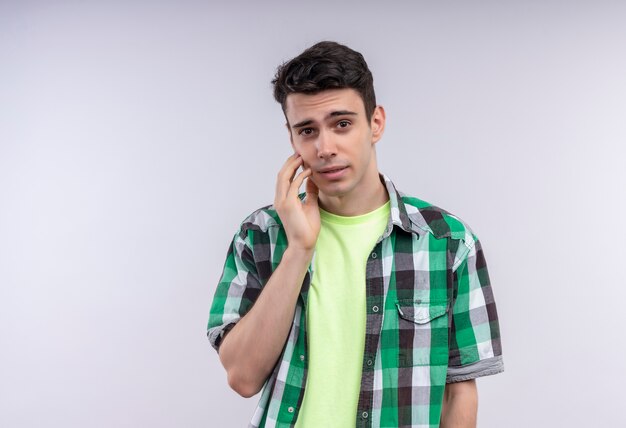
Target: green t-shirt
{"points": [[336, 315]]}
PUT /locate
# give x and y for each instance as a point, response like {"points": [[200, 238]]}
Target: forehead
{"points": [[317, 106]]}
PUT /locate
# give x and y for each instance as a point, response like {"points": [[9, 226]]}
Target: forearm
{"points": [[250, 350], [460, 405]]}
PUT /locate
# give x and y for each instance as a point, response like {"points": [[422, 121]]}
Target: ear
{"points": [[377, 123]]}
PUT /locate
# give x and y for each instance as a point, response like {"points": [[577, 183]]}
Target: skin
{"points": [[330, 129], [460, 405], [327, 129]]}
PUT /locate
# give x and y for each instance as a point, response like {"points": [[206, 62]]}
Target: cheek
{"points": [[306, 157]]}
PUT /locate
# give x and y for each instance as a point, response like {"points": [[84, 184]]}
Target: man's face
{"points": [[332, 134]]}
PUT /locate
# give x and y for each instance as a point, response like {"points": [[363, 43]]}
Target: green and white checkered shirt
{"points": [[431, 315]]}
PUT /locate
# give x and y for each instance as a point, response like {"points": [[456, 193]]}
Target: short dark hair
{"points": [[326, 65]]}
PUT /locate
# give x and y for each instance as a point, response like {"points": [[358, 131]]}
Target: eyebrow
{"points": [[331, 114]]}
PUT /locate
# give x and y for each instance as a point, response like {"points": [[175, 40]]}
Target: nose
{"points": [[326, 147]]}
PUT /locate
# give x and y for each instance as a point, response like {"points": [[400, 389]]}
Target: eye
{"points": [[343, 123], [305, 131]]}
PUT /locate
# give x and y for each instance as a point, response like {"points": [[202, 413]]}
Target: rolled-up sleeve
{"points": [[475, 345], [236, 291]]}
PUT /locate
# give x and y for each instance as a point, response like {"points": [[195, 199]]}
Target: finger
{"points": [[285, 175], [297, 182], [290, 165]]}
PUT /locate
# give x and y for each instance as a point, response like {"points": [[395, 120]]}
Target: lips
{"points": [[332, 169], [333, 173]]}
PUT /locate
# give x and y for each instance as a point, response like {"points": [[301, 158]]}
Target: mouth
{"points": [[333, 172], [332, 169]]}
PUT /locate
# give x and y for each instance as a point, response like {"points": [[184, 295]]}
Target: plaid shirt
{"points": [[431, 315]]}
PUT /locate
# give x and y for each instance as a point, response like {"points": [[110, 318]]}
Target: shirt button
{"points": [[369, 362], [374, 255], [364, 414], [375, 309], [301, 357], [290, 410]]}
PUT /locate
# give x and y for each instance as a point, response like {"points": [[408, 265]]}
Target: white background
{"points": [[135, 136]]}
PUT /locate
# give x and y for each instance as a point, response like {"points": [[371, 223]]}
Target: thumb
{"points": [[312, 192]]}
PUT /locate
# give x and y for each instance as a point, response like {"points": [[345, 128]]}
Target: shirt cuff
{"points": [[216, 334], [487, 367]]}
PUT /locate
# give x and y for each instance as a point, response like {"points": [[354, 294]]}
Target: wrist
{"points": [[299, 255]]}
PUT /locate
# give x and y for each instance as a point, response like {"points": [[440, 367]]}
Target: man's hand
{"points": [[301, 220], [250, 351]]}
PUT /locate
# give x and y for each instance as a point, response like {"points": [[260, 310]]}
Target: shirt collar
{"points": [[399, 216], [419, 218]]}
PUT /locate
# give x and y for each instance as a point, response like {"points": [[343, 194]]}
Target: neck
{"points": [[359, 201]]}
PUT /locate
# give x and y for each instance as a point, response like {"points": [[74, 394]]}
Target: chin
{"points": [[334, 189]]}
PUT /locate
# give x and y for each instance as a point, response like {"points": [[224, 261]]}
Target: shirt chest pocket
{"points": [[422, 332]]}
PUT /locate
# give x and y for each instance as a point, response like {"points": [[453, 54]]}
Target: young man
{"points": [[353, 304]]}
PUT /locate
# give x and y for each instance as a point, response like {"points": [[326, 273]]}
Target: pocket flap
{"points": [[421, 312]]}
